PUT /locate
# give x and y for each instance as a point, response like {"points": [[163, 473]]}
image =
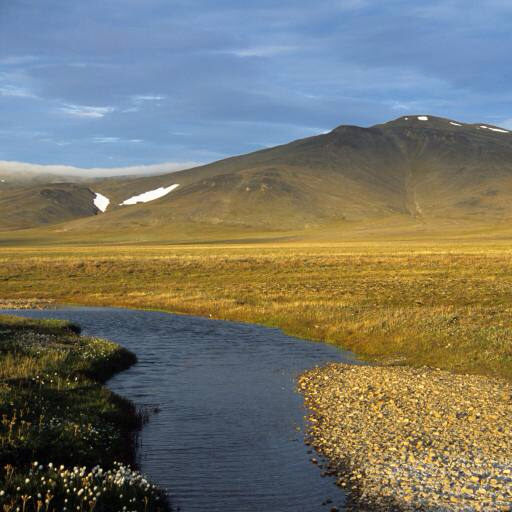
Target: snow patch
{"points": [[151, 195], [101, 202], [422, 118], [499, 130], [455, 124]]}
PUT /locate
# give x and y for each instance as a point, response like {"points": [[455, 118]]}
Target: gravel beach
{"points": [[413, 439]]}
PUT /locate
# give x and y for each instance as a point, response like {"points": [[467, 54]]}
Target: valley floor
{"points": [[398, 303], [445, 306]]}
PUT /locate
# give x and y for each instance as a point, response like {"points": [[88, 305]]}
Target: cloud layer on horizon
{"points": [[14, 168], [124, 82]]}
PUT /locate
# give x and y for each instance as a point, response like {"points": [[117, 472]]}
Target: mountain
{"points": [[421, 170], [41, 205]]}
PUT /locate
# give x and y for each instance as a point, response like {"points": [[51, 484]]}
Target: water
{"points": [[229, 434]]}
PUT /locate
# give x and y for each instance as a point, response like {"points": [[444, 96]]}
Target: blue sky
{"points": [[130, 82]]}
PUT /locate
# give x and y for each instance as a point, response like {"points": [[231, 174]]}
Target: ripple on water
{"points": [[229, 435]]}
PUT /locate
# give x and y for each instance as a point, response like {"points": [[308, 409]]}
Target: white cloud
{"points": [[86, 111], [110, 140], [22, 134], [139, 98], [105, 140], [56, 142], [15, 91], [261, 51], [15, 85], [12, 167], [409, 106]]}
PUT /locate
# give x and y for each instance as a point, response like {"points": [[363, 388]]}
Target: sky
{"points": [[113, 83]]}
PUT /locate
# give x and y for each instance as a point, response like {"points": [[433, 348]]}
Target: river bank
{"points": [[30, 303], [66, 441], [413, 439]]}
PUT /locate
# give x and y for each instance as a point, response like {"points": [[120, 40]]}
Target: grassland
{"points": [[65, 440], [445, 305]]}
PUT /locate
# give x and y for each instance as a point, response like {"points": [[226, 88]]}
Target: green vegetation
{"points": [[61, 431], [445, 305]]}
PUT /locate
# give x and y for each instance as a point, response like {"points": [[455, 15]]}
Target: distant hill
{"points": [[416, 169], [42, 205]]}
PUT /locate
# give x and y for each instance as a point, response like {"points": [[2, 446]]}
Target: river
{"points": [[229, 434]]}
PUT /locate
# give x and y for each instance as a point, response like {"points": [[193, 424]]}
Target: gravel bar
{"points": [[401, 438]]}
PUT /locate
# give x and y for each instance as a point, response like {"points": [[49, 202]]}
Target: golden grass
{"points": [[446, 305]]}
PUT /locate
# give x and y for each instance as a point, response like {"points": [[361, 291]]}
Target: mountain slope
{"points": [[40, 205], [420, 169], [415, 169], [455, 170]]}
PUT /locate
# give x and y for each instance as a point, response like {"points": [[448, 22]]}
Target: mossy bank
{"points": [[66, 441]]}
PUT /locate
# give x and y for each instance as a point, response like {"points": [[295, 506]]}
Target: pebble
{"points": [[413, 439]]}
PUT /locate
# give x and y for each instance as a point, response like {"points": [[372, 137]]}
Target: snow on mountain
{"points": [[101, 202], [151, 195]]}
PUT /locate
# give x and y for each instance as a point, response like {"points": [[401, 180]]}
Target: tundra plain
{"points": [[444, 305]]}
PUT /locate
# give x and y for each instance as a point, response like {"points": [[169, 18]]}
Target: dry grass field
{"points": [[446, 305]]}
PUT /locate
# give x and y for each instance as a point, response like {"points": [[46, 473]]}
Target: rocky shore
{"points": [[413, 439]]}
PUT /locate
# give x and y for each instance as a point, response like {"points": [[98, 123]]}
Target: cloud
{"points": [[152, 71], [22, 133], [15, 92], [13, 167], [446, 10], [86, 111], [56, 142], [105, 140], [16, 60], [140, 98], [409, 106], [110, 140], [261, 51]]}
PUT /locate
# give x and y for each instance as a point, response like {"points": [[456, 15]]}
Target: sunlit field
{"points": [[398, 303]]}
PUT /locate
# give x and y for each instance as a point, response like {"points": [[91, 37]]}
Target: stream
{"points": [[230, 428]]}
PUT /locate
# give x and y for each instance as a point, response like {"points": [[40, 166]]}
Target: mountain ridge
{"points": [[418, 167]]}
